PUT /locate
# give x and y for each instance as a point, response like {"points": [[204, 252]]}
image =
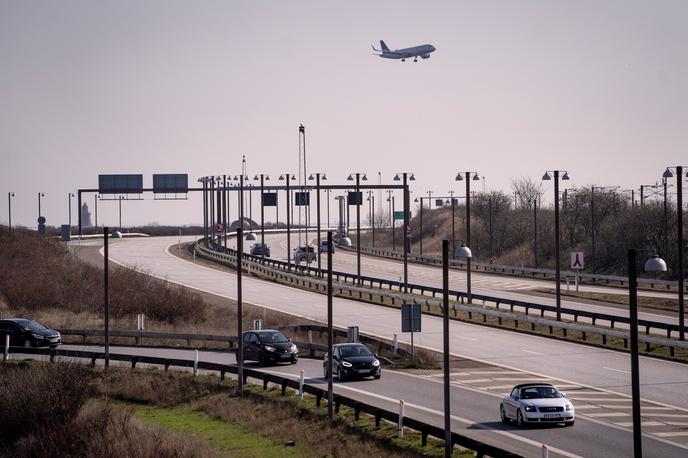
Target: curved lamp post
{"points": [[358, 179], [460, 177], [679, 209], [464, 252], [652, 264], [405, 178], [557, 249]]}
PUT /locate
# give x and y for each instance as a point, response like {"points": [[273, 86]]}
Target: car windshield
{"points": [[272, 336], [539, 392], [354, 350], [31, 325]]}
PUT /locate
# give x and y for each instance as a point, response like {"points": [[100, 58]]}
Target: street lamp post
{"points": [[535, 233], [476, 177], [557, 254], [318, 177], [653, 264], [453, 207], [287, 177], [69, 206], [405, 179], [40, 194], [358, 220], [679, 210], [263, 177], [120, 213], [445, 344], [9, 210], [95, 205]]}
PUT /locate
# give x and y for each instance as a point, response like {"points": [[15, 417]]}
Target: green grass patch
{"points": [[231, 437]]}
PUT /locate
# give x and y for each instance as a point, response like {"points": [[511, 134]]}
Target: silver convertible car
{"points": [[536, 403]]}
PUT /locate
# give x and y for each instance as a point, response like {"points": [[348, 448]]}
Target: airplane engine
{"points": [[425, 56]]}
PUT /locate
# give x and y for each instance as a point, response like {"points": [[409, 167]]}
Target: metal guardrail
{"points": [[462, 440], [312, 273], [363, 293], [546, 274]]}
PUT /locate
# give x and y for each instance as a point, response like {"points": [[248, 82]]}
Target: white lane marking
{"points": [[465, 338], [491, 372], [643, 423], [600, 399], [534, 352], [616, 370], [518, 379], [665, 415], [475, 380], [585, 407], [676, 423], [607, 414], [672, 434]]}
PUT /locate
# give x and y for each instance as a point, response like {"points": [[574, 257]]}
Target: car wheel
{"points": [[519, 419], [502, 415], [340, 374], [27, 343], [377, 377], [569, 423], [261, 360]]}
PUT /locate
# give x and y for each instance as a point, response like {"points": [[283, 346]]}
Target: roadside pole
{"points": [[106, 297], [445, 327], [240, 343], [330, 395]]}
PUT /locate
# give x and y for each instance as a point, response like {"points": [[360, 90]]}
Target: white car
{"points": [[536, 403]]}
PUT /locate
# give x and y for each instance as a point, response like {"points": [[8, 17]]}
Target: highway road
{"points": [[518, 288], [574, 367]]}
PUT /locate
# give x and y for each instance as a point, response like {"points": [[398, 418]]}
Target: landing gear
{"points": [[403, 60], [415, 60]]}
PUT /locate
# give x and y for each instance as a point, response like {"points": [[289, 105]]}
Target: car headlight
{"points": [[294, 348], [346, 364], [269, 348], [529, 409], [38, 336], [376, 362], [569, 407]]}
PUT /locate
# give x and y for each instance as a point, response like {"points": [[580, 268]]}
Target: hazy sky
{"points": [[514, 88]]}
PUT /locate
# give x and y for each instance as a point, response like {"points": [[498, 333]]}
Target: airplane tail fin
{"points": [[383, 46]]}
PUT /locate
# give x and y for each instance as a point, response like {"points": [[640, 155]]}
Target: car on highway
{"points": [[304, 253], [268, 347], [28, 333], [536, 403], [323, 247], [351, 360], [260, 249]]}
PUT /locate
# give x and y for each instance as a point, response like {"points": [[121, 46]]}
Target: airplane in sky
{"points": [[423, 51]]}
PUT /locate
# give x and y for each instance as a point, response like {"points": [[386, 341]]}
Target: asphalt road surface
{"points": [[598, 380]]}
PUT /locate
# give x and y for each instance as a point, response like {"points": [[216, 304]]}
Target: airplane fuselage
{"points": [[422, 51]]}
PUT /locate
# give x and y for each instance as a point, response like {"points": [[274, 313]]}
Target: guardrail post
{"points": [[395, 344], [545, 451], [378, 418], [6, 354], [357, 411], [400, 425], [195, 363], [301, 386]]}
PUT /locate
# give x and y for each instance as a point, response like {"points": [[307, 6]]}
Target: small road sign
{"points": [[577, 260], [41, 220], [219, 228], [410, 317], [398, 215]]}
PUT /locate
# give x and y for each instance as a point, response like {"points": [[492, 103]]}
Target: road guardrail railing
{"points": [[312, 279], [462, 439]]}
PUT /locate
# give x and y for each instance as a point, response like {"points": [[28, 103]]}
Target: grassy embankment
{"points": [[71, 410]]}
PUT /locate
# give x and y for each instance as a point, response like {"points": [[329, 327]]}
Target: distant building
{"points": [[85, 216]]}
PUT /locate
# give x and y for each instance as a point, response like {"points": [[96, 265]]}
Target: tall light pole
{"points": [[40, 194], [262, 210], [557, 242], [460, 177], [405, 178], [535, 232], [679, 209], [95, 205], [120, 213], [453, 207], [9, 210], [317, 178], [358, 220], [445, 344], [288, 177], [69, 206], [653, 264]]}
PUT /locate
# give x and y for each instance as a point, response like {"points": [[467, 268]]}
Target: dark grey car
{"points": [[353, 360], [24, 332]]}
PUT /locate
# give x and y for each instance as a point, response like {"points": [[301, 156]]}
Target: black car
{"points": [[353, 360], [28, 333], [260, 249], [269, 346]]}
